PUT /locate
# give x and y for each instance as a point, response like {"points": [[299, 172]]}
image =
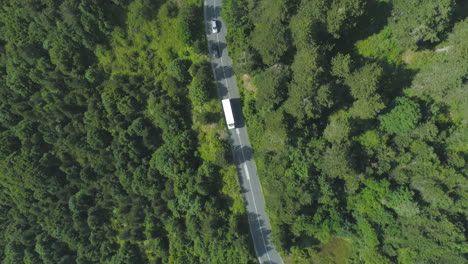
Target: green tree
{"points": [[402, 202], [178, 69], [337, 130], [272, 87], [421, 21], [187, 23], [307, 94], [335, 162], [129, 253], [309, 24], [342, 16], [270, 36], [341, 65], [364, 83], [444, 81], [402, 118]]}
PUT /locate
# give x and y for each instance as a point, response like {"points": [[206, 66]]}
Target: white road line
{"points": [[256, 211], [247, 171], [221, 60], [224, 73], [237, 131], [222, 68]]}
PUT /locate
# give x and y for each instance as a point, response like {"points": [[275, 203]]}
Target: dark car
{"points": [[215, 51]]}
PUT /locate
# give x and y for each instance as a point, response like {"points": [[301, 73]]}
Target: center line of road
{"points": [[222, 68], [255, 206], [245, 165], [237, 131], [247, 171]]}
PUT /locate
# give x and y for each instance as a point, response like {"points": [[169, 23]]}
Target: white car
{"points": [[214, 28]]}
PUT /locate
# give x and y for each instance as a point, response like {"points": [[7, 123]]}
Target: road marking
{"points": [[247, 171], [221, 60], [222, 67], [224, 73], [214, 5], [256, 211], [237, 131], [240, 141]]}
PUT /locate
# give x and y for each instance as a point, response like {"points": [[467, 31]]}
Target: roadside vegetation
{"points": [[113, 146], [357, 111]]}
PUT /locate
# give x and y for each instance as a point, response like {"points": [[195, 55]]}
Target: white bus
{"points": [[228, 113]]}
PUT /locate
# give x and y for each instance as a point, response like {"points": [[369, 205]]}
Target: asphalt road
{"points": [[251, 189]]}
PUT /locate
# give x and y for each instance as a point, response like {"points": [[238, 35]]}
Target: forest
{"points": [[358, 115], [114, 148], [113, 144]]}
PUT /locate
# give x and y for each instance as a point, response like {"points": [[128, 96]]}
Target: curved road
{"points": [[250, 184]]}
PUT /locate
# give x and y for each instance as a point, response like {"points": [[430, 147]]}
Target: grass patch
{"points": [[416, 60], [335, 251], [381, 46], [146, 45], [232, 189], [210, 146]]}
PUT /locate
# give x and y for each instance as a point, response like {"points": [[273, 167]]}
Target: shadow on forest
{"points": [[371, 22], [393, 80], [461, 10]]}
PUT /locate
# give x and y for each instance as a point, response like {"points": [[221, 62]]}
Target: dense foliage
{"points": [[358, 115], [112, 142]]}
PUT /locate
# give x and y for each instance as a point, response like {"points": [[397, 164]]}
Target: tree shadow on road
{"points": [[236, 104], [261, 234]]}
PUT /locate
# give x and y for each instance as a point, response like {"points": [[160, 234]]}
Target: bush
{"points": [[199, 91], [187, 24]]}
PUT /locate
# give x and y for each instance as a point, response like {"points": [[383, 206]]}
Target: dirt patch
{"points": [[247, 80], [444, 49], [418, 58], [336, 250], [222, 135], [407, 56]]}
